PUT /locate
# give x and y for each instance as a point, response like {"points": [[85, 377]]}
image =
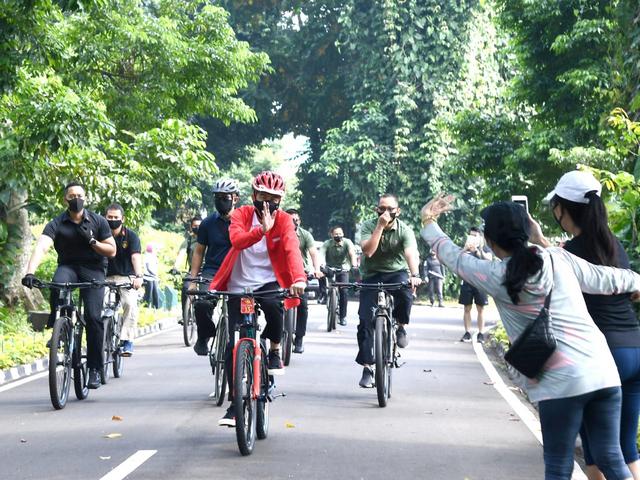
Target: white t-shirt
{"points": [[253, 267]]}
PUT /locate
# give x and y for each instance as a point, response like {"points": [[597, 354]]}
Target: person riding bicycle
{"points": [[390, 255], [82, 240], [264, 255], [311, 266], [213, 245], [185, 255], [124, 267], [340, 253]]}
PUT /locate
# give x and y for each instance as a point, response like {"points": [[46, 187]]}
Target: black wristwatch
{"points": [[93, 241]]}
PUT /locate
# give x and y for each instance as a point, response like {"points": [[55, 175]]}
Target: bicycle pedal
{"points": [[283, 394]]}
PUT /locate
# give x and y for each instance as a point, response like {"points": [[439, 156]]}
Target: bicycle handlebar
{"points": [[73, 285], [279, 293], [374, 286]]}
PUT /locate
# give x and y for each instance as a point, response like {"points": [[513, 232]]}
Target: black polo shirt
{"points": [[72, 247], [214, 234], [127, 243]]}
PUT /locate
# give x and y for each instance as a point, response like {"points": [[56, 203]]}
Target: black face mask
{"points": [[76, 204], [223, 205], [393, 215], [337, 238], [259, 206], [114, 224], [195, 229]]}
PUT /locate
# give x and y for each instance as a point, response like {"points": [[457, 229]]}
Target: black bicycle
{"points": [[333, 296], [189, 326], [386, 351], [289, 329], [112, 327], [67, 354]]}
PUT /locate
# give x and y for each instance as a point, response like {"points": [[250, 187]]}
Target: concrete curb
{"points": [[22, 371]]}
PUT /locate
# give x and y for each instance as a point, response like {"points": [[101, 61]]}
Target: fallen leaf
{"points": [[489, 382], [116, 418], [428, 413], [22, 440], [289, 425], [113, 435], [105, 458], [427, 371]]}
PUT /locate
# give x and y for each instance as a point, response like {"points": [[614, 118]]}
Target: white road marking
{"points": [[527, 417], [129, 465]]}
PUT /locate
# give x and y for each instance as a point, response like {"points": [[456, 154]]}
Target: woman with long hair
{"points": [[579, 383], [578, 208]]}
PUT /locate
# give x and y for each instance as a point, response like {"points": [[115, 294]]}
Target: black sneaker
{"points": [[274, 363], [367, 378], [94, 379], [201, 347], [480, 337], [228, 420], [401, 337], [343, 321], [298, 346], [466, 337]]}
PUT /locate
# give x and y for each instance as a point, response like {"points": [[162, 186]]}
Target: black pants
{"points": [[434, 289], [403, 300], [273, 311], [152, 294], [203, 310], [303, 315], [92, 299], [343, 299], [322, 288]]}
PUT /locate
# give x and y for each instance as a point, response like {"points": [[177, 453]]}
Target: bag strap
{"points": [[547, 300]]}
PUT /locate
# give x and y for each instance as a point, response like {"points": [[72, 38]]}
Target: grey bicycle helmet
{"points": [[226, 185]]}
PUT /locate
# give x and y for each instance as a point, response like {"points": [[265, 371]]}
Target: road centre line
{"points": [[129, 465], [527, 417]]}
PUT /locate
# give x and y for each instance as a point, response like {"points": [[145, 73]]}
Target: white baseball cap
{"points": [[574, 186]]}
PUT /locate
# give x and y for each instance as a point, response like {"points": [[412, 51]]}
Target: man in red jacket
{"points": [[264, 255]]}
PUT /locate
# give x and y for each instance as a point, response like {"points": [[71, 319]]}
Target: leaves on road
{"points": [[117, 418], [113, 435], [289, 425]]}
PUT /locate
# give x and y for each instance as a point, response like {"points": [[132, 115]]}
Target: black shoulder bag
{"points": [[536, 344]]}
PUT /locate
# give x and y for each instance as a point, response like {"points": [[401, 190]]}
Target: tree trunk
{"points": [[15, 253]]}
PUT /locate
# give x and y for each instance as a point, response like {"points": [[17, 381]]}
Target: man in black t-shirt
{"points": [[213, 245], [125, 266], [82, 240]]}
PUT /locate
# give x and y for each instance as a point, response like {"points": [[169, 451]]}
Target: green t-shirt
{"points": [[189, 244], [389, 257], [336, 255], [306, 243]]}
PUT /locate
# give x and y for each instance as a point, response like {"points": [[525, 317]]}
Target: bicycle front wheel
{"points": [[244, 402], [287, 335], [332, 303], [218, 360], [188, 323], [118, 360], [60, 360], [107, 349], [80, 370], [382, 365]]}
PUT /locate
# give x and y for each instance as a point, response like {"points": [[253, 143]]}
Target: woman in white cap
{"points": [[579, 210], [579, 383]]}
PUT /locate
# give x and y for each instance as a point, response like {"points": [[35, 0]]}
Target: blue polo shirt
{"points": [[214, 235]]}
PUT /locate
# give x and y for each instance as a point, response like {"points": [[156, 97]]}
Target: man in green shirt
{"points": [[390, 255], [339, 252], [311, 265], [185, 254]]}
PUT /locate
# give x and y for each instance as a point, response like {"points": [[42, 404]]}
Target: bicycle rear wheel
{"points": [[188, 323], [60, 360], [287, 334], [244, 402], [80, 371], [381, 355], [118, 360], [262, 404], [332, 303], [218, 360], [107, 349]]}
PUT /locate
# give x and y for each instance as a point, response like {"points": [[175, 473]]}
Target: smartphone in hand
{"points": [[522, 200]]}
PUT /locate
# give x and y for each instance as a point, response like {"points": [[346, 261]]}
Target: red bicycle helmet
{"points": [[269, 182]]}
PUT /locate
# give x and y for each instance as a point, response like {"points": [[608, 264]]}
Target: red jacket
{"points": [[282, 245]]}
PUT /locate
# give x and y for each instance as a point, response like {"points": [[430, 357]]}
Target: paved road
{"points": [[443, 421]]}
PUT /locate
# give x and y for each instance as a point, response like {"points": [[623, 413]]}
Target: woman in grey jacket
{"points": [[579, 383]]}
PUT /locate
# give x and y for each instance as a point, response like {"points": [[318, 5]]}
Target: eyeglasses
{"points": [[386, 209]]}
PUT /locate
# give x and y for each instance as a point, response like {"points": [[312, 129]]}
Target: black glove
{"points": [[86, 233], [28, 280]]}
